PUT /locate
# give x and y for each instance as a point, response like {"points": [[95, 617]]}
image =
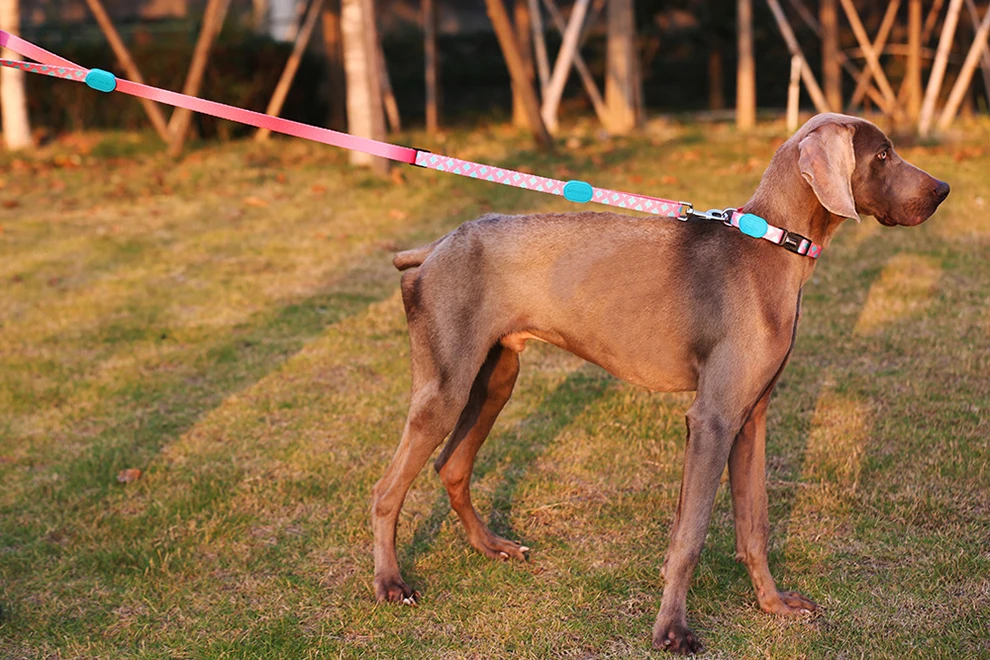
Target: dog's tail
{"points": [[415, 257]]}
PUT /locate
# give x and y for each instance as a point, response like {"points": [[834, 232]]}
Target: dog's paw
{"points": [[788, 603], [676, 638], [394, 590]]}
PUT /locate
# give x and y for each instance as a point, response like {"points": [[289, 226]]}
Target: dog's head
{"points": [[852, 168]]}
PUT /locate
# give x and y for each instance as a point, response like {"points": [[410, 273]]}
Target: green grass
{"points": [[230, 325]]}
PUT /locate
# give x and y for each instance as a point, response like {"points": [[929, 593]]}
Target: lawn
{"points": [[230, 325]]}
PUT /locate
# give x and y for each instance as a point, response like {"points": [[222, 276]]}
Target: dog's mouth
{"points": [[885, 221]]}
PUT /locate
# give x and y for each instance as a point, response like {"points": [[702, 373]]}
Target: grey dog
{"points": [[670, 306]]}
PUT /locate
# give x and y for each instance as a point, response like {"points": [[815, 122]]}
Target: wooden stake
{"points": [[792, 45], [291, 66], [938, 68], [562, 67], [178, 125], [966, 73], [130, 68], [847, 66], [745, 67], [388, 96], [794, 94], [872, 59], [912, 77], [539, 45], [985, 57], [878, 44], [586, 78], [517, 69]]}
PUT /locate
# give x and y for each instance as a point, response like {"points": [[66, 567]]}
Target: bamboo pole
{"points": [[792, 45], [291, 66], [562, 66], [938, 68], [879, 42], [966, 73], [130, 67]]}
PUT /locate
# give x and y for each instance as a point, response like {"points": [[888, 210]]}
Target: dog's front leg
{"points": [[747, 476], [710, 434]]}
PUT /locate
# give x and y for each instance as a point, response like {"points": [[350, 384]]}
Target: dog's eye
{"points": [[882, 155]]}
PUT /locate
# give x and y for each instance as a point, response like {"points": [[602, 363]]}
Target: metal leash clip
{"points": [[723, 216]]}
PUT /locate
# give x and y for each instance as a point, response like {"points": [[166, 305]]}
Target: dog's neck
{"points": [[786, 200]]}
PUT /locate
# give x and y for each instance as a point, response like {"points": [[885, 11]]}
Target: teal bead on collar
{"points": [[753, 225]]}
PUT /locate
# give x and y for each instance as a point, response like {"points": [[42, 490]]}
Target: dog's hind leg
{"points": [[491, 390]]}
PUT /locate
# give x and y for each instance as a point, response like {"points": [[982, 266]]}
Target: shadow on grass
{"points": [[519, 449], [141, 416]]}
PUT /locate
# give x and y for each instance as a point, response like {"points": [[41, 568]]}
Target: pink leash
{"points": [[51, 64]]}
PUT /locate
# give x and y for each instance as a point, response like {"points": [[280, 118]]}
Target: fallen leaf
{"points": [[10, 203], [398, 214], [129, 475], [255, 201]]}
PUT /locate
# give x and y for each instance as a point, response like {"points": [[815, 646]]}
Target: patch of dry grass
{"points": [[230, 325]]}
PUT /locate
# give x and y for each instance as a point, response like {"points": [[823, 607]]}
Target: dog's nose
{"points": [[941, 191]]}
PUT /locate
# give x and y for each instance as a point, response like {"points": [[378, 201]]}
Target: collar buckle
{"points": [[795, 243]]}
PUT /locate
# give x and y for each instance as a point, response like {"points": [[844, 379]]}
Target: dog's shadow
{"points": [[516, 446]]}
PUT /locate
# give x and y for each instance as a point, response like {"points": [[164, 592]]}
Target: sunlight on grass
{"points": [[905, 288], [230, 324]]}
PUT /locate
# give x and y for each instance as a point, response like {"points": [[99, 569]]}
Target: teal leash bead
{"points": [[100, 80]]}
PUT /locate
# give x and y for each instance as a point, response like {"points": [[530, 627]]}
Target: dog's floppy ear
{"points": [[827, 161]]}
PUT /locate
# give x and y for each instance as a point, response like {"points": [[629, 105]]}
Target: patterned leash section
{"points": [[575, 191], [50, 64]]}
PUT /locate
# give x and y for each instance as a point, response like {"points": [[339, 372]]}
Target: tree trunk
{"points": [[365, 116], [430, 57], [524, 34], [335, 66], [622, 71], [745, 67], [831, 67], [517, 70], [13, 101]]}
